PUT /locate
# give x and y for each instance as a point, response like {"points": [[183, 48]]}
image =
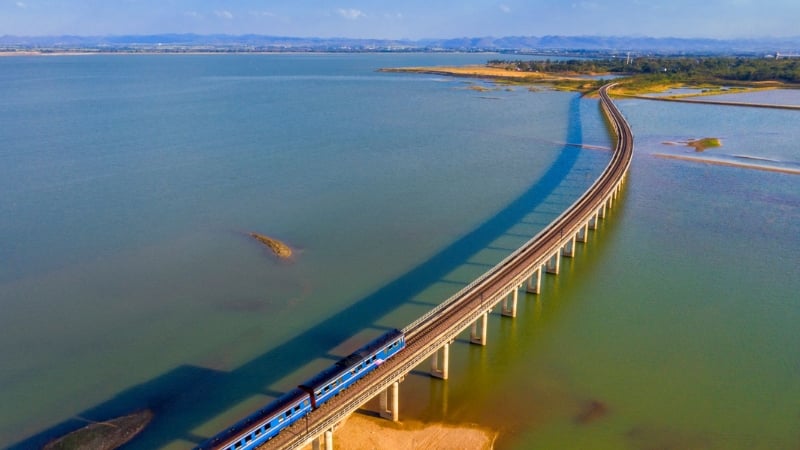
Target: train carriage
{"points": [[259, 427], [349, 369], [263, 424]]}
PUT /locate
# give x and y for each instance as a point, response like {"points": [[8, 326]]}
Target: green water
{"points": [[675, 327]]}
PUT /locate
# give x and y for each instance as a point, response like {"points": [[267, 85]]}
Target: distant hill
{"points": [[521, 44]]}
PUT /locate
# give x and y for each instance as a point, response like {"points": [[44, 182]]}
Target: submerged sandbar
{"points": [[729, 163]]}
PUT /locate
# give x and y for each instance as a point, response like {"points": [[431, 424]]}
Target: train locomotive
{"points": [[266, 423]]}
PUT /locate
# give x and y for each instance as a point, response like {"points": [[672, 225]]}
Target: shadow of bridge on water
{"points": [[188, 396]]}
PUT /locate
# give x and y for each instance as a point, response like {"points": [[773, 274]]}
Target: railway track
{"points": [[443, 323]]}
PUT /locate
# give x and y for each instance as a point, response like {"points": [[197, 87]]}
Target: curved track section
{"points": [[442, 324]]}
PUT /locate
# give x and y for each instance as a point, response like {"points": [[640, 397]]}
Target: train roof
{"points": [[352, 359], [272, 408]]}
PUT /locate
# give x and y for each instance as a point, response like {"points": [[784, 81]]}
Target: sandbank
{"points": [[106, 435], [729, 163], [487, 72], [362, 432], [280, 249], [699, 145]]}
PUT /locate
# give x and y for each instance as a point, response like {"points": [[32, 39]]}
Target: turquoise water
{"points": [[130, 183]]}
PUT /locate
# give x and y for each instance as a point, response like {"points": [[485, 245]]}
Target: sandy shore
{"points": [[488, 72], [362, 432]]}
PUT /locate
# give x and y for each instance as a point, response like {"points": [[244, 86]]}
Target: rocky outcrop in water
{"points": [[107, 435]]}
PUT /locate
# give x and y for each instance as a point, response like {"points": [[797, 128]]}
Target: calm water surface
{"points": [[130, 183], [675, 327], [127, 280]]}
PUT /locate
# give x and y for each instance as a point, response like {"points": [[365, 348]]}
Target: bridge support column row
{"points": [[392, 413], [568, 250], [328, 439], [583, 233], [535, 282], [437, 370], [474, 337], [593, 221], [510, 311], [554, 263]]}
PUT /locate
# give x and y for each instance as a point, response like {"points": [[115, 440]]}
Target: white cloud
{"points": [[505, 8], [351, 14], [262, 14], [21, 5], [192, 14], [224, 14]]}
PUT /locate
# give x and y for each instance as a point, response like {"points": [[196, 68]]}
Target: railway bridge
{"points": [[430, 336]]}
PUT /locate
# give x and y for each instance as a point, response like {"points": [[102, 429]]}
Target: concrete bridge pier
{"points": [[554, 263], [583, 233], [328, 441], [391, 412], [474, 337], [512, 310], [568, 250], [601, 213], [535, 282], [593, 221], [441, 370]]}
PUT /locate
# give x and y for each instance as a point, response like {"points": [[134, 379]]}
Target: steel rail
{"points": [[444, 322]]}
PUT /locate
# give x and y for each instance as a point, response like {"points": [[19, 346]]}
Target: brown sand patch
{"points": [[361, 432], [280, 249]]}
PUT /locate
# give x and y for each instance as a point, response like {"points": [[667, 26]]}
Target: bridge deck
{"points": [[442, 324]]}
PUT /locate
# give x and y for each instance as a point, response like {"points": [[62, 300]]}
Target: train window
{"points": [[288, 413], [297, 408], [248, 439], [258, 432]]}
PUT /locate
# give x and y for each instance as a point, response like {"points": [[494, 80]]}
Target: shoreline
{"points": [[500, 75], [361, 431]]}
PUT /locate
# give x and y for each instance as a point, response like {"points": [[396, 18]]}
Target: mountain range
{"points": [[512, 44]]}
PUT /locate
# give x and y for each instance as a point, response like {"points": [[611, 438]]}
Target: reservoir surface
{"points": [[129, 280]]}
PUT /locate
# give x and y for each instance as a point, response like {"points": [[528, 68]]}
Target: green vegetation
{"points": [[682, 68], [658, 73]]}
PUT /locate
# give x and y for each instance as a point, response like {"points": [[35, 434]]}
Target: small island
{"points": [[106, 435], [278, 248], [701, 145]]}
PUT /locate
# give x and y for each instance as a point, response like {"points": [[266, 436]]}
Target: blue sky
{"points": [[405, 18]]}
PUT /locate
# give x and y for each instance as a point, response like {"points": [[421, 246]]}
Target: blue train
{"points": [[259, 427]]}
